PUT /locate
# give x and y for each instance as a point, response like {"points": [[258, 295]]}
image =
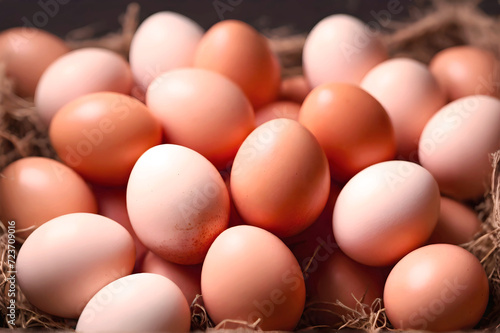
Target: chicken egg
{"points": [[186, 277], [275, 110], [457, 223], [294, 88], [351, 126], [236, 50], [177, 203], [202, 110], [137, 303], [280, 178], [26, 53], [439, 287], [456, 143], [411, 96], [101, 135], [164, 41], [466, 70], [340, 48], [249, 274], [386, 211], [78, 73]]}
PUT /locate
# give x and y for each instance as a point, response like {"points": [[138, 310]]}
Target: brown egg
{"points": [[102, 135], [27, 52], [34, 190], [238, 51], [339, 278], [438, 287], [351, 126], [275, 110], [280, 179], [457, 223], [466, 70], [294, 88], [250, 275], [341, 48], [186, 277], [112, 202]]}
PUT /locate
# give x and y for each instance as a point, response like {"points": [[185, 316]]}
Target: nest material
{"points": [[444, 24]]}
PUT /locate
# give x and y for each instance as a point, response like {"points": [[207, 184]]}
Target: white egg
{"points": [[341, 48], [142, 302], [456, 144]]}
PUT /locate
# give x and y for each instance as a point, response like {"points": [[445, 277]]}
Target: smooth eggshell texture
{"points": [[112, 202], [386, 211], [438, 288], [340, 48], [250, 274], [102, 135], [294, 88], [456, 144], [466, 70], [275, 110], [339, 278], [351, 126], [177, 203], [137, 303], [236, 50], [411, 96], [457, 223], [280, 178], [78, 73], [164, 41], [64, 262], [186, 277], [34, 190], [202, 110], [26, 53]]}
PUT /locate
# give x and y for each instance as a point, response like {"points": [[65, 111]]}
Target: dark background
{"points": [[62, 16]]}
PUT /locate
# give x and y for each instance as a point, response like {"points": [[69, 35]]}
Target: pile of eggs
{"points": [[194, 168]]}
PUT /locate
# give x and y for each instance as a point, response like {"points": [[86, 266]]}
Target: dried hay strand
{"points": [[21, 130], [366, 317], [447, 23], [199, 316], [444, 24]]}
